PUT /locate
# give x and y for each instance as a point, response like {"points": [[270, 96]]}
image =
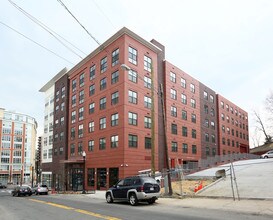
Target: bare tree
{"points": [[269, 105], [261, 127], [256, 138]]}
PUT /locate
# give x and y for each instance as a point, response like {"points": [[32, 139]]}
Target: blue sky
{"points": [[227, 45]]}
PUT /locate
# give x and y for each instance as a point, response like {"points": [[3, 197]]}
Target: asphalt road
{"points": [[80, 207]]}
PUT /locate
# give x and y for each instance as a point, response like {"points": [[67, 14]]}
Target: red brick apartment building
{"points": [[233, 127], [114, 115]]}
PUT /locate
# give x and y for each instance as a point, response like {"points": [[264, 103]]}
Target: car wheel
{"points": [[133, 199], [265, 157], [36, 193], [109, 198], [151, 201]]}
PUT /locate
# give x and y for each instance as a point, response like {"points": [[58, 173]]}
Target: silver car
{"points": [[40, 189], [268, 154]]}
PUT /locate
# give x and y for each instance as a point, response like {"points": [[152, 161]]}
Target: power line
{"points": [[79, 22], [46, 28], [36, 43], [104, 14]]}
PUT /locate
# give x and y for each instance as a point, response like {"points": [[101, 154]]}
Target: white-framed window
{"points": [[173, 94], [172, 77], [132, 55], [147, 63]]}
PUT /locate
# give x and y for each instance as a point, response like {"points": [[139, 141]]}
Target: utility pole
{"points": [[153, 125], [165, 141]]}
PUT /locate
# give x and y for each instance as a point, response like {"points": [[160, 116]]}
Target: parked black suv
{"points": [[134, 189]]}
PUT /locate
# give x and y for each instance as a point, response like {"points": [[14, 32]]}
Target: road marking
{"points": [[77, 210]]}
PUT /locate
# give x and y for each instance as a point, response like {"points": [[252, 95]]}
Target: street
{"points": [[81, 207]]}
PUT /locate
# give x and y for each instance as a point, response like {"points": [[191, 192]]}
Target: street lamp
{"points": [[83, 184]]}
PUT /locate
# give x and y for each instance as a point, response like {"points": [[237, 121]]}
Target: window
{"points": [[207, 151], [72, 149], [223, 117], [184, 115], [73, 117], [114, 141], [173, 94], [80, 148], [211, 98], [193, 103], [103, 65], [206, 137], [115, 77], [206, 109], [172, 77], [184, 99], [132, 76], [174, 128], [183, 82], [62, 106], [92, 72], [132, 97], [114, 120], [147, 82], [194, 149], [206, 123], [223, 141], [147, 122], [132, 140], [73, 101], [81, 113], [213, 140], [192, 88], [102, 123], [185, 148], [193, 133], [212, 125], [193, 118], [103, 84], [103, 103], [173, 111], [74, 85], [227, 107], [92, 90], [132, 56], [223, 128], [63, 92], [147, 63], [132, 118], [91, 108], [148, 143], [115, 97], [222, 104], [147, 102], [80, 131], [213, 151], [91, 144], [184, 131], [212, 112], [91, 126], [81, 97], [174, 146], [82, 80], [205, 95], [115, 57], [102, 145]]}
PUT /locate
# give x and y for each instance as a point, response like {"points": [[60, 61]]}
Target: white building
{"points": [[17, 147], [47, 138]]}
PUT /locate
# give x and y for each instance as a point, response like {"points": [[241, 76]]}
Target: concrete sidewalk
{"points": [[250, 206]]}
